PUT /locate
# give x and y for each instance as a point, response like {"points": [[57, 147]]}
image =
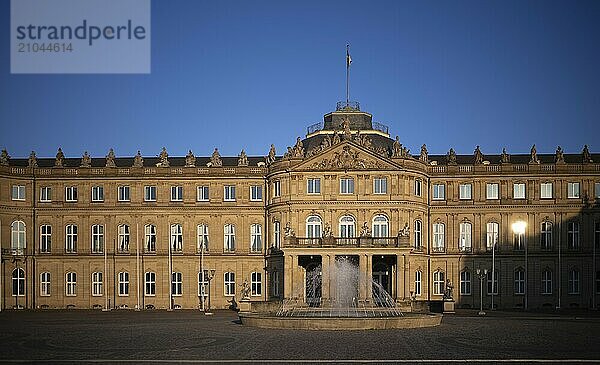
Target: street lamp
{"points": [[519, 229], [211, 275], [481, 275]]}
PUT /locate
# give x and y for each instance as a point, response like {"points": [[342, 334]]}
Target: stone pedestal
{"points": [[449, 306], [245, 306]]}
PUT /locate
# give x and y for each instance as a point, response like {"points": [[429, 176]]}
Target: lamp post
{"points": [[481, 275], [519, 229], [211, 275]]}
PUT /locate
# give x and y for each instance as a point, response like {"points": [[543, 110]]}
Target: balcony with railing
{"points": [[345, 242], [13, 252]]}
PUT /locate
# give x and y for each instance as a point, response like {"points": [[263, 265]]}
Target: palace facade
{"points": [[518, 231]]}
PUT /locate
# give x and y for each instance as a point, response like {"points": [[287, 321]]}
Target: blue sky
{"points": [[246, 74]]}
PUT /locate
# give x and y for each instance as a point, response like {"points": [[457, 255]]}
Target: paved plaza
{"points": [[153, 336]]}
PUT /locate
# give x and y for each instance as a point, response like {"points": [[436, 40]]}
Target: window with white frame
{"points": [[381, 226], [379, 185], [97, 238], [255, 238], [255, 193], [546, 282], [45, 284], [574, 281], [490, 289], [465, 283], [597, 190], [71, 284], [439, 192], [18, 192], [492, 233], [573, 235], [313, 226], [546, 190], [229, 232], [276, 189], [71, 238], [418, 187], [573, 190], [229, 281], [177, 284], [519, 241], [229, 193], [418, 283], [150, 238], [492, 191], [439, 237], [202, 243], [123, 284], [176, 193], [203, 193], [150, 284], [546, 235], [150, 193], [45, 194], [277, 234], [418, 234], [519, 282], [18, 235], [123, 238], [438, 282], [347, 185], [176, 237], [256, 284], [71, 193], [313, 186], [347, 226], [98, 193], [18, 282], [123, 193], [45, 238], [519, 191], [464, 192], [464, 243], [203, 283], [97, 284], [275, 283]]}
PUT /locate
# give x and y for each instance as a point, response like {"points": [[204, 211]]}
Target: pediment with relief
{"points": [[346, 156]]}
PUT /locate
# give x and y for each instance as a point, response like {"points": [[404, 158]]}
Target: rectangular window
{"points": [[256, 284], [71, 193], [418, 187], [494, 289], [203, 283], [255, 238], [519, 282], [45, 284], [276, 189], [275, 283], [202, 237], [597, 190], [150, 193], [97, 193], [123, 238], [18, 192], [347, 186], [123, 284], [465, 283], [546, 190], [313, 186], [573, 235], [277, 234], [573, 190], [439, 192], [71, 287], [492, 191], [97, 238], [150, 238], [519, 241], [256, 193], [380, 185], [438, 237], [229, 238], [45, 194], [464, 192], [546, 236], [492, 235], [203, 195], [71, 238], [229, 193], [97, 284], [465, 238], [519, 191], [574, 282], [150, 284], [177, 284], [229, 284], [176, 238], [45, 238], [176, 193], [417, 283], [546, 282], [124, 193], [438, 283]]}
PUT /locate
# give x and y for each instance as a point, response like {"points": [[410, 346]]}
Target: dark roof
{"points": [[515, 159]]}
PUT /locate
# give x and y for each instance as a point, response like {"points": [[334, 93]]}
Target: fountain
{"points": [[343, 308]]}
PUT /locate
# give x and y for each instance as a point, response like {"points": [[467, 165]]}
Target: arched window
{"points": [[418, 276], [97, 238], [229, 238], [97, 284], [546, 236], [438, 282], [176, 237], [313, 226], [547, 281], [45, 238], [150, 238], [71, 287], [464, 243], [123, 238], [71, 238], [381, 226], [17, 241], [202, 237], [438, 237], [347, 226], [465, 282], [18, 282], [255, 238], [519, 281], [574, 281], [418, 234], [45, 284], [492, 235]]}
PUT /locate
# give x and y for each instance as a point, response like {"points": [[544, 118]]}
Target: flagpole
{"points": [[347, 75]]}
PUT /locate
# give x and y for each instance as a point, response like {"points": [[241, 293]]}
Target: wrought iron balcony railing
{"points": [[344, 241], [13, 251]]}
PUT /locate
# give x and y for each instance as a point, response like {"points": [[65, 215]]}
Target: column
{"points": [[369, 264], [399, 278], [325, 278], [287, 277], [365, 275]]}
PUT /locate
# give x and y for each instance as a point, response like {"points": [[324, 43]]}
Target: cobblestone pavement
{"points": [[188, 335]]}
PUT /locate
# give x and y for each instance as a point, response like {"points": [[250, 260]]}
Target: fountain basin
{"points": [[408, 320]]}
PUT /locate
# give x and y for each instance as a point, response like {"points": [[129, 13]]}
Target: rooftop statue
{"points": [[110, 159], [242, 159], [32, 161], [587, 157], [424, 154], [60, 158], [559, 158], [215, 159], [451, 157], [86, 160], [164, 158], [505, 157], [4, 157], [190, 159], [138, 160], [271, 156], [534, 158], [478, 156]]}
